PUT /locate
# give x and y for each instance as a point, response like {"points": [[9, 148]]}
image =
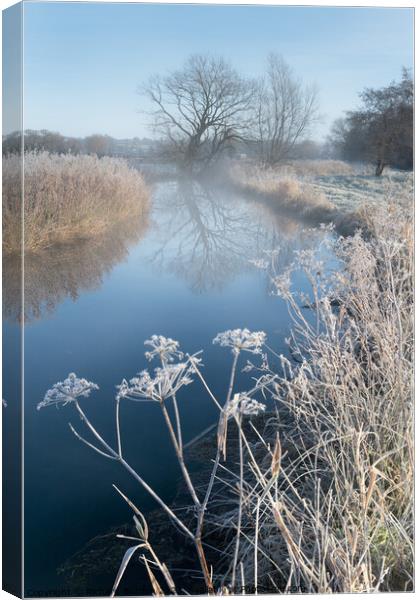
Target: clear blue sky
{"points": [[83, 62]]}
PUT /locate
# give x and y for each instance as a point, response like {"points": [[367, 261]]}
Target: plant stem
{"points": [[117, 422], [136, 476], [241, 491]]}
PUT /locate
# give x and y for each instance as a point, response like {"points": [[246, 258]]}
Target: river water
{"points": [[187, 274]]}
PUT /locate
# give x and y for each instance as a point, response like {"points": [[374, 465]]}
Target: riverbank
{"points": [[66, 198], [321, 191], [327, 504]]}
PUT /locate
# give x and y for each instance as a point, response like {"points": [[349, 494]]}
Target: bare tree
{"points": [[200, 108], [284, 111]]}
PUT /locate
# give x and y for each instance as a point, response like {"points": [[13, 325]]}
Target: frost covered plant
{"points": [[282, 284], [167, 381], [163, 347], [64, 392], [242, 404], [241, 339], [162, 386]]}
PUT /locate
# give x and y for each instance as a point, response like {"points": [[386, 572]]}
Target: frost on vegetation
{"points": [[340, 434], [242, 404], [166, 382], [68, 197], [241, 339], [64, 392], [163, 347]]}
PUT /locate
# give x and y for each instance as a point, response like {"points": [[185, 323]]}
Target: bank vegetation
{"points": [[66, 197]]}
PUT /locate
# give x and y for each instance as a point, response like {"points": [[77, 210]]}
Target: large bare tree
{"points": [[284, 111], [200, 109]]}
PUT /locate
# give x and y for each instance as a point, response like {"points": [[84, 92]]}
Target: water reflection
{"points": [[199, 241], [207, 236], [203, 236], [65, 270]]}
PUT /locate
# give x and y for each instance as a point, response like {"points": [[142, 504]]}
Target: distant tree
{"points": [[12, 143], [46, 140], [199, 110], [98, 144], [284, 111], [35, 140], [381, 131]]}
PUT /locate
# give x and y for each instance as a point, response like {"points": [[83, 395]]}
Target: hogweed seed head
{"points": [[166, 381], [241, 339], [64, 392], [165, 348], [282, 284]]}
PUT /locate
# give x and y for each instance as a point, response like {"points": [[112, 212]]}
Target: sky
{"points": [[83, 62]]}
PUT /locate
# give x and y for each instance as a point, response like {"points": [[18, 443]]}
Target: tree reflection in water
{"points": [[65, 270], [207, 236], [203, 236]]}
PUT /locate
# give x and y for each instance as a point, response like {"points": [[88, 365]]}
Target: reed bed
{"points": [[311, 484], [282, 189], [66, 197]]}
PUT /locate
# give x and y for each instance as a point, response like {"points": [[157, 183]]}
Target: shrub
{"points": [[67, 197]]}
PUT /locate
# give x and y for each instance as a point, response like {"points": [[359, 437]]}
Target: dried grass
{"points": [[66, 197], [318, 168], [282, 189], [329, 505]]}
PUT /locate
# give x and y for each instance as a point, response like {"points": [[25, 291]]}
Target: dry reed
{"points": [[282, 189], [66, 197]]}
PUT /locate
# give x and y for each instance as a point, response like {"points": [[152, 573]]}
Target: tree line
{"points": [[206, 109], [99, 144]]}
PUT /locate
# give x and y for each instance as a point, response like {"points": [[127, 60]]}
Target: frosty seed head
{"points": [[241, 339], [167, 380], [67, 391], [165, 348]]}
